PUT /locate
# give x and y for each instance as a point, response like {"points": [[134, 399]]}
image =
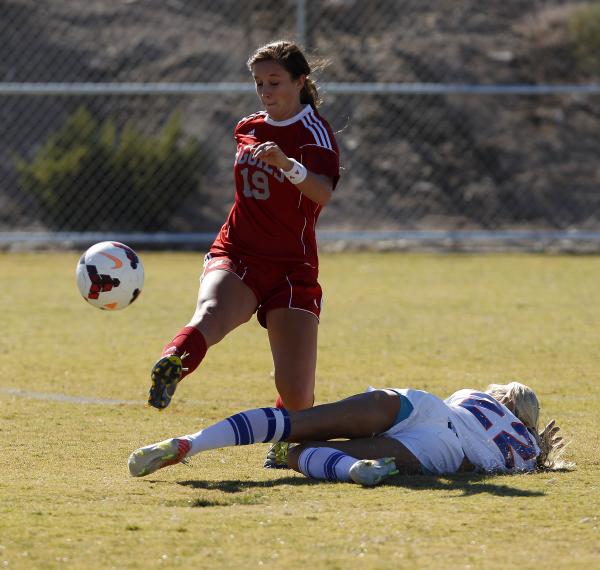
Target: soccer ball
{"points": [[110, 275]]}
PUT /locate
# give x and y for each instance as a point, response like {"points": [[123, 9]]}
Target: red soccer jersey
{"points": [[270, 218]]}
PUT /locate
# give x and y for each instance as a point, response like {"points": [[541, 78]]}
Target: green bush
{"points": [[90, 176], [584, 26]]}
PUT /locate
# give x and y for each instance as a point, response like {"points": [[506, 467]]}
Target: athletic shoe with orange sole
{"points": [[153, 457]]}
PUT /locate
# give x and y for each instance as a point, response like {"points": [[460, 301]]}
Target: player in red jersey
{"points": [[264, 259]]}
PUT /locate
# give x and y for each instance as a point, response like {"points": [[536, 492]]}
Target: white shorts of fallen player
{"points": [[427, 432]]}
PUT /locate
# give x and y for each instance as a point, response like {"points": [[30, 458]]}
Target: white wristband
{"points": [[297, 173]]}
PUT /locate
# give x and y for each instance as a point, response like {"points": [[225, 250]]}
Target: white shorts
{"points": [[428, 433]]}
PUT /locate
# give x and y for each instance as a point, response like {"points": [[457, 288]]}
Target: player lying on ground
{"points": [[386, 432]]}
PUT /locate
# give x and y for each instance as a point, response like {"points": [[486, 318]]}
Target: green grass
{"points": [[437, 323]]}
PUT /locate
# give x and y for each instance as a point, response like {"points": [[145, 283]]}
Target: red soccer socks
{"points": [[189, 344]]}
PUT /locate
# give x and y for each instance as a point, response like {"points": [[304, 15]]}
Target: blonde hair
{"points": [[520, 399], [524, 404]]}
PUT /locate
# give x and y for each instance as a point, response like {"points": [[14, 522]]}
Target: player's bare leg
{"points": [[364, 448], [364, 458], [360, 416], [293, 339], [224, 303]]}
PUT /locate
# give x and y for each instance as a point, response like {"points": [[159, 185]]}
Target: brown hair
{"points": [[290, 57]]}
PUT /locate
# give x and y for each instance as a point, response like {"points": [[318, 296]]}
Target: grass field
{"points": [[73, 382]]}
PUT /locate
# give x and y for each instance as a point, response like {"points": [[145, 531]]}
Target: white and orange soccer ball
{"points": [[110, 275]]}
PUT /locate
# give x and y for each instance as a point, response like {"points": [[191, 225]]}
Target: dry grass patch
{"points": [[434, 322]]}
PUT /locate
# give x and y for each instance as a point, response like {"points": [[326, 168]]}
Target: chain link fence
{"points": [[117, 116]]}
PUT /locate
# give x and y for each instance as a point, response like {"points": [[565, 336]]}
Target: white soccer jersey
{"points": [[493, 438]]}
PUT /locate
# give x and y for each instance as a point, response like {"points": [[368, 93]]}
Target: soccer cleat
{"points": [[153, 457], [371, 472], [277, 456], [166, 373]]}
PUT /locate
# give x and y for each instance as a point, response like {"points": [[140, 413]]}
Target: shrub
{"points": [[90, 176], [584, 26]]}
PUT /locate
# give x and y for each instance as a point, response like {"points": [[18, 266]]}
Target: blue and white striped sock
{"points": [[326, 463], [252, 426]]}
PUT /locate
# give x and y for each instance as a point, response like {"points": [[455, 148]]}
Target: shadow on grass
{"points": [[237, 486], [469, 484]]}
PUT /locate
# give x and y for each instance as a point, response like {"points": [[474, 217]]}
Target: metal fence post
{"points": [[301, 22]]}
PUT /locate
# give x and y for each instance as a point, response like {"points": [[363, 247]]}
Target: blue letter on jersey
{"points": [[473, 404], [507, 443]]}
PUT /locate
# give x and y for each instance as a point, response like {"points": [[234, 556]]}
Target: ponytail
{"points": [[310, 94]]}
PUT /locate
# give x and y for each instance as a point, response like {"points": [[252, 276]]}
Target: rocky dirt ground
{"points": [[411, 162]]}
